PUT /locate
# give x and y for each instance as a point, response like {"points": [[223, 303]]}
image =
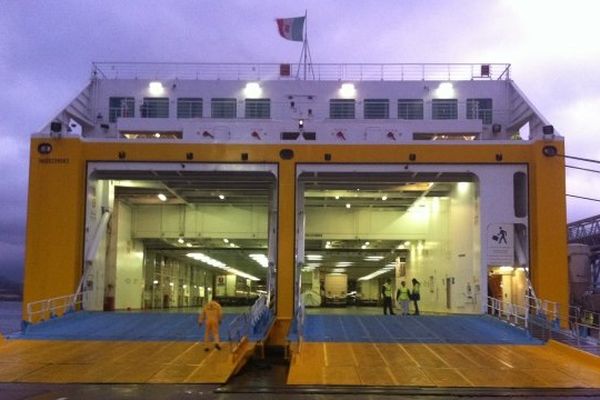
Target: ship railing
{"points": [[287, 71], [42, 310], [249, 323], [584, 325], [513, 313]]}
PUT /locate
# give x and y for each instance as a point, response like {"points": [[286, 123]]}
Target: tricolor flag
{"points": [[291, 28]]}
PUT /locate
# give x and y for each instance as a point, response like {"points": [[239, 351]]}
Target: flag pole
{"points": [[305, 46]]}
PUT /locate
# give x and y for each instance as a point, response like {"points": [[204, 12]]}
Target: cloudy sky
{"points": [[46, 48]]}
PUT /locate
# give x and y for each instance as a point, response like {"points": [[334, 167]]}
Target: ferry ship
{"points": [[291, 201]]}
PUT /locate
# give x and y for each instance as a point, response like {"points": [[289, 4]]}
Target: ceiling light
{"points": [[344, 263], [157, 135], [171, 284], [156, 88], [348, 205], [232, 245], [337, 197], [314, 256], [188, 244], [155, 282], [226, 240], [180, 240], [338, 270], [367, 243], [261, 259], [222, 197], [363, 247], [407, 243], [384, 197], [161, 197], [373, 258]]}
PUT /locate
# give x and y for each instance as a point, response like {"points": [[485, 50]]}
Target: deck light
{"points": [[161, 197], [180, 240], [348, 205], [188, 244], [384, 197], [337, 197], [156, 88], [222, 197], [157, 135], [226, 240], [252, 90], [347, 90], [445, 90]]}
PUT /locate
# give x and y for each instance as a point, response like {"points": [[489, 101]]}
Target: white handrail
{"points": [[49, 308], [324, 71]]}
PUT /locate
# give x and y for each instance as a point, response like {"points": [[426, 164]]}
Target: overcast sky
{"points": [[46, 49]]}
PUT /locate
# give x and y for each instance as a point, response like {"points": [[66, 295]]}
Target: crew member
{"points": [[211, 315]]}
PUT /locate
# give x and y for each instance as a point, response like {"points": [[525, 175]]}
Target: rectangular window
{"points": [[120, 107], [341, 108], [258, 108], [444, 109], [223, 108], [410, 109], [155, 107], [480, 109], [189, 107], [376, 108]]}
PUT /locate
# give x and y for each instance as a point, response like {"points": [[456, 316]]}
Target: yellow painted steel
{"points": [[115, 362], [443, 365], [57, 195]]}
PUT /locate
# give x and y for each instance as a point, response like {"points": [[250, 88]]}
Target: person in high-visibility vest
{"points": [[386, 293], [416, 294], [403, 297], [211, 316]]}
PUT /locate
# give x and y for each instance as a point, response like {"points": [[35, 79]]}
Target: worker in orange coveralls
{"points": [[211, 315]]}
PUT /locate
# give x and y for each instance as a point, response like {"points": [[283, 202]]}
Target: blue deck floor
{"points": [[123, 326], [468, 329]]}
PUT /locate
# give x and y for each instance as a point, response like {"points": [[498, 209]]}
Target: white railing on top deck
{"points": [[323, 72]]}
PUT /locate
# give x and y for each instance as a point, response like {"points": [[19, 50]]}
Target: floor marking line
{"points": [[437, 356]]}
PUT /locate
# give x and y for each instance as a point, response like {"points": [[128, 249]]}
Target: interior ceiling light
{"points": [[232, 245], [348, 90], [348, 205], [314, 256], [367, 243], [337, 197], [222, 197], [252, 90], [261, 259], [384, 197], [373, 258], [218, 264], [226, 240], [180, 240], [363, 247], [188, 244], [156, 88], [407, 243], [339, 270], [157, 135], [373, 274], [161, 197], [344, 263]]}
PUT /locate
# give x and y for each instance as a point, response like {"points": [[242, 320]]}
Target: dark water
{"points": [[10, 316]]}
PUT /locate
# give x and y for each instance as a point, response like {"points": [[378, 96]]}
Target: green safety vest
{"points": [[403, 295], [387, 290]]}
